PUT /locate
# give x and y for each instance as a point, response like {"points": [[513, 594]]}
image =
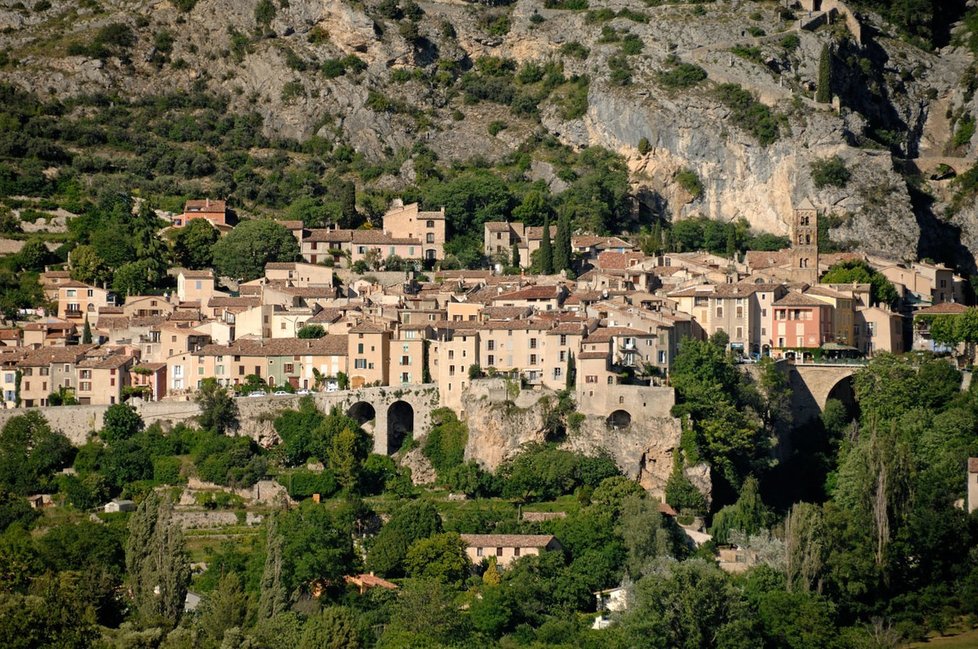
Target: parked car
{"points": [[281, 393], [257, 393], [332, 386], [303, 392]]}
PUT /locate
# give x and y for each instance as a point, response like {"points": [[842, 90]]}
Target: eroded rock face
{"points": [[919, 94], [422, 473], [499, 427]]}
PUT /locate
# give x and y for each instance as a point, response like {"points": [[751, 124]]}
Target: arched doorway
{"points": [[400, 424], [619, 419], [362, 411]]}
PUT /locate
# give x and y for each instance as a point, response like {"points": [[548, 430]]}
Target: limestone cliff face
{"points": [[886, 89], [499, 426]]}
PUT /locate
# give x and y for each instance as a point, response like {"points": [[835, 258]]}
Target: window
{"points": [[85, 386], [478, 552], [491, 360], [282, 326], [429, 224], [451, 354], [491, 345], [701, 301], [563, 341], [240, 370], [662, 356], [451, 370], [430, 238], [91, 293], [411, 251], [740, 313], [563, 356], [740, 333], [198, 285], [289, 368], [405, 377], [200, 371], [220, 369], [533, 359], [557, 372], [360, 363], [359, 348], [71, 292], [405, 360], [516, 552], [590, 379], [533, 343], [499, 552], [719, 311]]}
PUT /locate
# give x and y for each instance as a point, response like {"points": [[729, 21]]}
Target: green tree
{"points": [[193, 242], [441, 557], [425, 614], [273, 598], [334, 627], [823, 91], [120, 421], [224, 608], [316, 546], [345, 457], [445, 444], [157, 565], [562, 244], [412, 521], [218, 410], [645, 535], [748, 515], [264, 13], [87, 266], [87, 332], [311, 331], [30, 453], [243, 253], [33, 256], [546, 261], [830, 171]]}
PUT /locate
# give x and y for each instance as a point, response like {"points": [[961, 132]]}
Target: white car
{"points": [[281, 393], [332, 386], [303, 392], [257, 393]]}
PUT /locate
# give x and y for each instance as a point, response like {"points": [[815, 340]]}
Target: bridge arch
{"points": [[619, 419], [363, 412], [400, 424]]}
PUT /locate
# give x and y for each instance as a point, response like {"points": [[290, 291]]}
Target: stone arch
{"points": [[400, 424], [363, 412], [843, 391], [619, 419]]}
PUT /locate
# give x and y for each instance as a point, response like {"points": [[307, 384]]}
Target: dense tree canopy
{"points": [[243, 253]]}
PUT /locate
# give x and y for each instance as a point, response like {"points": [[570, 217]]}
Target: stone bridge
{"points": [[391, 414], [933, 165], [813, 384]]}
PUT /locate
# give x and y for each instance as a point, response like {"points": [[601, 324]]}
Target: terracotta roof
{"points": [[505, 312], [943, 308], [152, 367], [592, 241], [205, 205], [55, 274], [610, 260], [794, 298], [291, 225], [536, 233], [49, 355], [74, 284], [538, 292], [368, 328], [330, 345], [197, 274], [107, 322], [280, 265], [508, 540], [592, 355], [9, 334], [110, 362], [497, 226], [327, 316], [741, 289], [48, 326], [369, 581], [233, 301], [607, 333], [183, 316]]}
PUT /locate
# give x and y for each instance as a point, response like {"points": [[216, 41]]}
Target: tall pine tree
{"points": [[87, 332], [562, 245], [546, 250]]}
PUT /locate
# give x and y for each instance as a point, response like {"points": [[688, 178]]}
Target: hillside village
{"points": [[621, 320]]}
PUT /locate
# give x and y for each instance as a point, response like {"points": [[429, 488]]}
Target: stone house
{"points": [[407, 222], [507, 547], [77, 301]]}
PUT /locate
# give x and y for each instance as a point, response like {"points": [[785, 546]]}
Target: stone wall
{"points": [[256, 413]]}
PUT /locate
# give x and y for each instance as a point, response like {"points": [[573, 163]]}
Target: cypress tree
{"points": [[562, 247], [515, 256], [273, 598], [571, 372], [87, 332], [823, 93], [156, 561], [546, 250]]}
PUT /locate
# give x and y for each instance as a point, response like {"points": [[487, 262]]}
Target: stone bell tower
{"points": [[804, 242]]}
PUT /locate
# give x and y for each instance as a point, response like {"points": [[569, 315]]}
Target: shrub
{"points": [[496, 127], [570, 5], [830, 171], [575, 103], [749, 114], [791, 42], [644, 146], [445, 443], [575, 50], [965, 131], [264, 12], [689, 181], [621, 72], [682, 75], [303, 483], [184, 5]]}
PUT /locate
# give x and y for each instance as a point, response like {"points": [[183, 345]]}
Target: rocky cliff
{"points": [[293, 62], [499, 426]]}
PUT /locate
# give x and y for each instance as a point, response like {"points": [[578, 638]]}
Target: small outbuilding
{"points": [[117, 505]]}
